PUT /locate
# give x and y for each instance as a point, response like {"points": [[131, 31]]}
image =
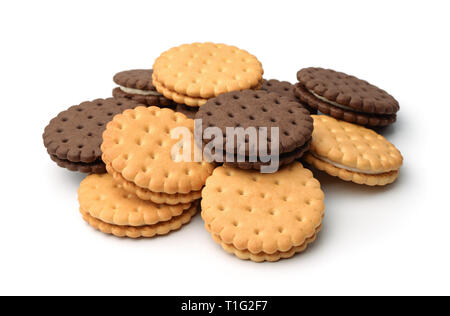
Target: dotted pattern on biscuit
{"points": [[205, 70], [140, 79], [347, 90], [261, 257], [356, 177], [286, 89], [104, 199], [156, 197], [263, 212], [76, 133], [341, 114], [138, 145], [259, 109], [353, 146], [283, 88], [162, 228]]}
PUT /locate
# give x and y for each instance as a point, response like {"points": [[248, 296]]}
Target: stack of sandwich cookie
{"points": [[191, 74], [346, 97], [74, 136], [263, 217], [352, 152], [257, 109], [106, 206], [137, 150], [137, 85], [285, 89]]}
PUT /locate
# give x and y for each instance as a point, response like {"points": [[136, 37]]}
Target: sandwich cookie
{"points": [[263, 217], [106, 206], [138, 152], [74, 136], [257, 110], [346, 97], [193, 73], [285, 89], [137, 85], [353, 153]]}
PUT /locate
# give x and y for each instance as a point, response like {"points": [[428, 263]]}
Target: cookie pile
{"points": [[140, 183]]}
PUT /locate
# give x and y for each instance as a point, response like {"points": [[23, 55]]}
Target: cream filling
{"points": [[332, 102], [338, 165], [140, 92]]}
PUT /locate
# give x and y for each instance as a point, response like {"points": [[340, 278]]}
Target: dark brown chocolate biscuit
{"points": [[257, 109], [93, 167], [346, 97], [75, 135], [189, 111], [140, 79], [150, 100], [341, 114], [285, 89], [347, 90]]}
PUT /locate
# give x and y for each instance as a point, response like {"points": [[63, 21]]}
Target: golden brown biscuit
{"points": [[263, 213], [192, 73], [161, 228], [261, 257], [353, 153], [102, 198], [138, 145]]}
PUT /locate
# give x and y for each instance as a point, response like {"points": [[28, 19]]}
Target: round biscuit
{"points": [[147, 231], [138, 145], [263, 212], [205, 70], [356, 177], [261, 257], [353, 146], [106, 200]]}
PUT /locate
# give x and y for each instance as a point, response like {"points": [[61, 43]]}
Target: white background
{"points": [[392, 240]]}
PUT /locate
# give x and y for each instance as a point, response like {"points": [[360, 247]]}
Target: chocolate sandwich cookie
{"points": [[285, 89], [257, 109], [346, 97], [74, 136], [137, 85], [189, 111]]}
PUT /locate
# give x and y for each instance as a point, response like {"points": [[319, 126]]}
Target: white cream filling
{"points": [[140, 92], [332, 102], [338, 165]]}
